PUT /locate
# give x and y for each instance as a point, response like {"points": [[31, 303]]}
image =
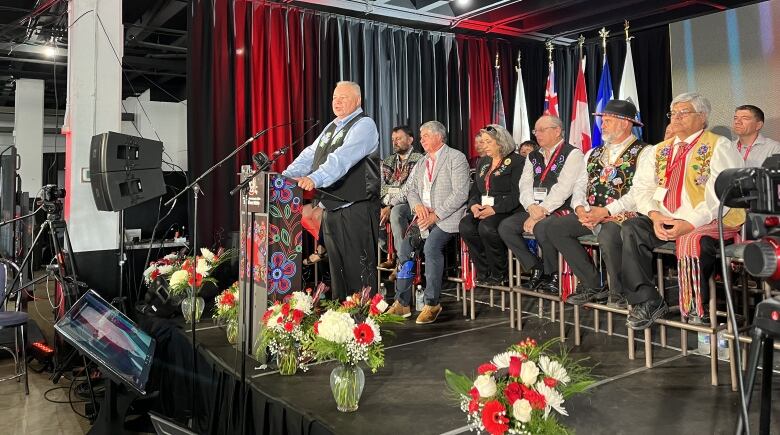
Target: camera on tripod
{"points": [[51, 198], [758, 190]]}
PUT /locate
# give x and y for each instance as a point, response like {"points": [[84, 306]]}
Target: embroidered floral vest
{"points": [[610, 182], [697, 172]]}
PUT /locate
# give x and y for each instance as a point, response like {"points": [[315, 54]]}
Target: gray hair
{"points": [[436, 127], [352, 85], [506, 145], [554, 120], [699, 102]]}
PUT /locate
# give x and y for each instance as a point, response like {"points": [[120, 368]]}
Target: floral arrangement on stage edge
{"points": [[286, 325], [349, 333], [197, 270], [226, 306], [519, 389]]}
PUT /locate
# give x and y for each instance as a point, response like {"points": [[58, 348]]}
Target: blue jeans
{"points": [[433, 250], [400, 218]]}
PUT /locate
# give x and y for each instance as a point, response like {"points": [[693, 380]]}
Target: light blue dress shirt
{"points": [[361, 140]]}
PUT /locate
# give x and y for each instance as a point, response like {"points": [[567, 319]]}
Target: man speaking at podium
{"points": [[343, 165]]}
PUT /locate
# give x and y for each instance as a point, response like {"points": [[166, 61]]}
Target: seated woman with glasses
{"points": [[494, 195]]}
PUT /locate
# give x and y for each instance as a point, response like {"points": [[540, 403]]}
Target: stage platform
{"points": [[409, 395]]}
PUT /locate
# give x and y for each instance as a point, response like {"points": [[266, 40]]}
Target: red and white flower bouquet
{"points": [[520, 391], [163, 267], [286, 325], [226, 309], [196, 270]]}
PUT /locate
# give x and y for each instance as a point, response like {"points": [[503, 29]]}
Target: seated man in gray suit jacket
{"points": [[436, 190]]}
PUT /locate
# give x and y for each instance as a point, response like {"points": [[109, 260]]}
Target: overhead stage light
{"points": [[463, 3], [50, 51]]}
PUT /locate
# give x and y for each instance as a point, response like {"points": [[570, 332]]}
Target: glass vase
{"points": [[231, 330], [186, 308], [287, 360], [346, 382]]}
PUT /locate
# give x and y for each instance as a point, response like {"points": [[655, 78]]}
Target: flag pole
{"points": [[581, 43], [549, 46], [519, 55], [625, 29]]}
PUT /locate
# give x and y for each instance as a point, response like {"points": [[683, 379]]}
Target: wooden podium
{"points": [[270, 251]]}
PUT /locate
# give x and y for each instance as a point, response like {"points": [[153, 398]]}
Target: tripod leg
{"points": [[766, 385], [27, 257], [752, 366]]}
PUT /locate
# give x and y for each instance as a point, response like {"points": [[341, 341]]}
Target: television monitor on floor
{"points": [[110, 339]]}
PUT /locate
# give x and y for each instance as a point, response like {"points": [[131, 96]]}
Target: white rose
{"points": [[208, 255], [521, 410], [172, 256], [179, 278], [486, 385], [528, 373], [303, 302], [149, 270]]}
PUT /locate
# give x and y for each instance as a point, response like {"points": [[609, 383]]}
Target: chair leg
{"points": [[23, 361], [576, 325], [464, 299], [491, 298], [713, 336], [648, 348], [732, 355], [519, 311], [660, 272], [503, 301], [684, 342], [511, 309], [609, 323], [596, 321], [631, 345], [473, 302], [562, 320]]}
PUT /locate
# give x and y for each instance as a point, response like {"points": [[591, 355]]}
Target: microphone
{"points": [[260, 159]]}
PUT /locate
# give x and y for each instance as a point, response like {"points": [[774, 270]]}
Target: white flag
{"points": [[520, 130], [627, 89]]}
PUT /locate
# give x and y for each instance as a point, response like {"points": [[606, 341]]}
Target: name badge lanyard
{"points": [[549, 164], [679, 158]]}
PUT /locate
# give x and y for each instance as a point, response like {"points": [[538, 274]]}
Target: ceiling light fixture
{"points": [[50, 51], [463, 3]]}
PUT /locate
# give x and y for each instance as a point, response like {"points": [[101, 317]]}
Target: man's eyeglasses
{"points": [[680, 114], [540, 130]]}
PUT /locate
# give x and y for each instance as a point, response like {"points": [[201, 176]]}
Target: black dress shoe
{"points": [[550, 286], [496, 280], [643, 315], [584, 294], [537, 277]]}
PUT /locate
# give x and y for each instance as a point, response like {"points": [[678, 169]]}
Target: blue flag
{"points": [[602, 98]]}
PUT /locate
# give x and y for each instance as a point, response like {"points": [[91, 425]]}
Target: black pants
{"points": [[486, 249], [511, 232], [639, 240], [351, 236], [563, 232]]}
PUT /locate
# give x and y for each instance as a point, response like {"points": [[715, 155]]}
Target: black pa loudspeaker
{"points": [[124, 170]]}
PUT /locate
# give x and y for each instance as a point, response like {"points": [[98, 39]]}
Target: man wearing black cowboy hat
{"points": [[601, 203]]}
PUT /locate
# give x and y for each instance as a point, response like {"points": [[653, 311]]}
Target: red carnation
{"points": [[280, 320], [297, 316], [513, 392], [316, 328], [285, 309], [363, 334], [228, 298], [550, 382], [377, 299], [474, 393], [197, 280], [155, 273], [535, 398], [473, 406], [514, 366], [373, 310], [494, 418], [288, 326], [487, 368]]}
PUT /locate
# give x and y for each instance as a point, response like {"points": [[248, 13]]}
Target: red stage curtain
{"points": [[477, 59]]}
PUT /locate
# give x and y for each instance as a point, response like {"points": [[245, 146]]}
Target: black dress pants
{"points": [[639, 240], [511, 232], [563, 232], [486, 249], [351, 235]]}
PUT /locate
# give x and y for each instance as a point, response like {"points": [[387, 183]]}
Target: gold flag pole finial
{"points": [[581, 43], [604, 33], [625, 29], [497, 65], [549, 46], [519, 53]]}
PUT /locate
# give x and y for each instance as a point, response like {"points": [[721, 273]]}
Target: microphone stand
{"points": [[196, 190]]}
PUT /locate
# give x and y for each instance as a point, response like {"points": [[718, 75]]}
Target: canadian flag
{"points": [[579, 131], [550, 96]]}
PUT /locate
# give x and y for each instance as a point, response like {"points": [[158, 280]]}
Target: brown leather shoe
{"points": [[399, 310], [428, 314], [389, 264]]}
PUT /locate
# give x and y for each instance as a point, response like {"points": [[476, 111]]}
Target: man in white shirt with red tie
{"points": [[754, 146], [675, 196]]}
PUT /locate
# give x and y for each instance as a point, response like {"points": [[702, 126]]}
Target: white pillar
{"points": [[93, 107], [28, 132]]}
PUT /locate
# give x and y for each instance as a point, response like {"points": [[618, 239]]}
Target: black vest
{"points": [[536, 158], [360, 183], [608, 183]]}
